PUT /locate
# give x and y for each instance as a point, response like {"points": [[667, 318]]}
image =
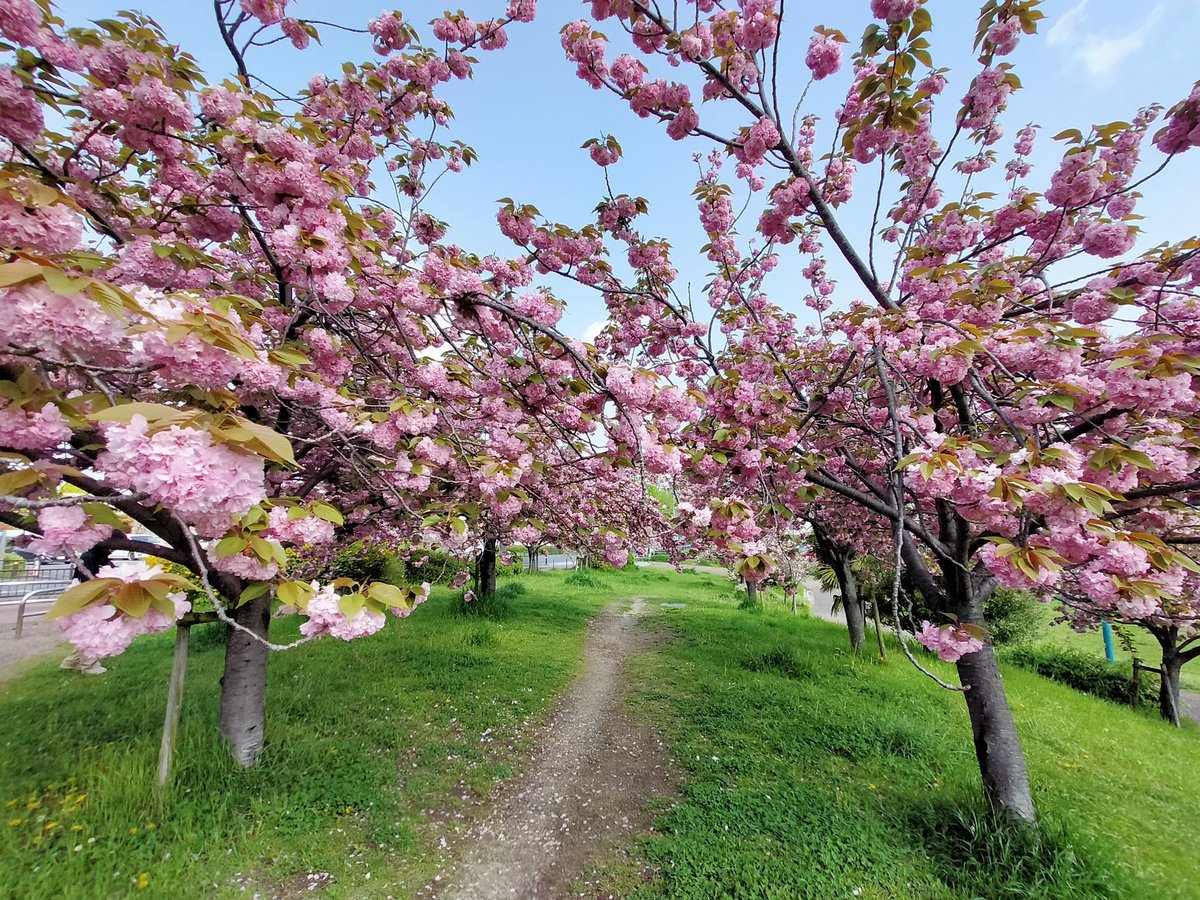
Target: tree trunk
{"points": [[534, 559], [751, 593], [851, 604], [1168, 685], [487, 569], [997, 746], [244, 684]]}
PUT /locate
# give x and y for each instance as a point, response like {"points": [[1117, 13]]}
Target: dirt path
{"points": [[584, 793], [38, 639], [1189, 705]]}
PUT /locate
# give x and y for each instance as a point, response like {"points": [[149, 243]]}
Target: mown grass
{"points": [[366, 744], [810, 772], [1092, 643]]}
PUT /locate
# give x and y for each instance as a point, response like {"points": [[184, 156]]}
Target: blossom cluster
{"points": [[949, 642]]}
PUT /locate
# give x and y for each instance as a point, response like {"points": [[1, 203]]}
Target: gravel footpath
{"points": [[582, 797], [38, 639]]}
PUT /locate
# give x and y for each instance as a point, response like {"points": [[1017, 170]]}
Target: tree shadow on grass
{"points": [[982, 854]]}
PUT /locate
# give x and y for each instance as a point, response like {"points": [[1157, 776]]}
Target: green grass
{"points": [[361, 739], [807, 771], [1092, 643], [810, 772]]}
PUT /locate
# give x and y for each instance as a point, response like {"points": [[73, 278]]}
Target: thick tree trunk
{"points": [[851, 604], [997, 746], [244, 684], [487, 569], [1168, 686], [751, 593]]}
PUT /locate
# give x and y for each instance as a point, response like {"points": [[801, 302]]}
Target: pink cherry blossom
{"points": [[208, 485], [949, 642], [824, 56], [325, 617], [67, 530]]}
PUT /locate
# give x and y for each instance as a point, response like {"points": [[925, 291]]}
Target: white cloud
{"points": [[1100, 54], [592, 332]]}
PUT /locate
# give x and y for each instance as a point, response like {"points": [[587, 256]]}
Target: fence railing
{"points": [[552, 561], [15, 580], [30, 587]]}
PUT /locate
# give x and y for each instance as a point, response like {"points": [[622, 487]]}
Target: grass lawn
{"points": [[361, 739], [807, 772], [812, 773]]}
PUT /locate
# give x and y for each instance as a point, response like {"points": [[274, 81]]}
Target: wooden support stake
{"points": [[174, 703]]}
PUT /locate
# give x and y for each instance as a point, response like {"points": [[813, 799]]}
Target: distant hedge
{"points": [[1087, 674]]}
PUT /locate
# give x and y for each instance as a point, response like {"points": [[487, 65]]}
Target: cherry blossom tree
{"points": [[212, 325], [1012, 384]]}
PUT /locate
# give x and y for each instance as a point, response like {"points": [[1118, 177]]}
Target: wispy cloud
{"points": [[1101, 54], [592, 332]]}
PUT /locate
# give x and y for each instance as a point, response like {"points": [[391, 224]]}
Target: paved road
{"points": [[553, 561], [40, 639]]}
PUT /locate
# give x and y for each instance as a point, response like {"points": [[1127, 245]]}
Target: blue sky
{"points": [[526, 113]]}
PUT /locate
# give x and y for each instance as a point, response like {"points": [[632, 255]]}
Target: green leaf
{"points": [[18, 272], [921, 22], [329, 513], [388, 594], [64, 284], [132, 599], [231, 546], [11, 482], [351, 604], [254, 592], [82, 595], [268, 443], [125, 412], [103, 514], [295, 593]]}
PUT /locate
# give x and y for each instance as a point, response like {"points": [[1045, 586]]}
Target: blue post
{"points": [[1110, 652]]}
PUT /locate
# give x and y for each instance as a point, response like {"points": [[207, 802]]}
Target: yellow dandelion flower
{"points": [[133, 830], [51, 826], [77, 828], [150, 826], [143, 881], [15, 822]]}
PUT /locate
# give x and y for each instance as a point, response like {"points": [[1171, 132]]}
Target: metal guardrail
{"points": [[33, 582], [551, 561], [23, 613], [16, 581]]}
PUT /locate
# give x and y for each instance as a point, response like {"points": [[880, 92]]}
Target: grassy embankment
{"points": [[810, 772]]}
